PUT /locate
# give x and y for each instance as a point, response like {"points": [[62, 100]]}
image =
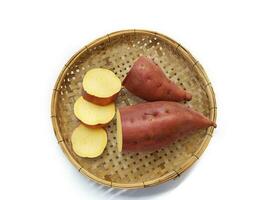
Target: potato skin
{"points": [[153, 125], [148, 81], [98, 100]]}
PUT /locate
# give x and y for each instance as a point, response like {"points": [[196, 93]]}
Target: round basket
{"points": [[117, 51]]}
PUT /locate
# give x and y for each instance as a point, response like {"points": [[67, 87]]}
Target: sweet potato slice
{"points": [[92, 114], [88, 142], [153, 125], [100, 86]]}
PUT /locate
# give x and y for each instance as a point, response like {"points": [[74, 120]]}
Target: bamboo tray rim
{"points": [[171, 175]]}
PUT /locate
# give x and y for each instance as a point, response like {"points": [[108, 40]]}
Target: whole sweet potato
{"points": [[148, 81], [153, 125]]}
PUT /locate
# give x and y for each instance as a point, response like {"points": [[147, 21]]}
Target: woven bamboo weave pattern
{"points": [[117, 52]]}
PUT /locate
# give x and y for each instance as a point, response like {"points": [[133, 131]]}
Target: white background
{"points": [[37, 39]]}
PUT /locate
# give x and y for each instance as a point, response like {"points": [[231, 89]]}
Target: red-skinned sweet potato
{"points": [[147, 81], [153, 125]]}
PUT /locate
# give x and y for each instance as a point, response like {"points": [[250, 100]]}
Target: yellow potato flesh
{"points": [[101, 82], [119, 131], [88, 142], [93, 114]]}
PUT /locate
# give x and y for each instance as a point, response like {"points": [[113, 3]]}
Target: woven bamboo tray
{"points": [[117, 51]]}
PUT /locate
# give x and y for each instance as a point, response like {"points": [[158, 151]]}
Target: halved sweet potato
{"points": [[88, 142], [119, 131], [93, 115], [153, 125], [100, 86]]}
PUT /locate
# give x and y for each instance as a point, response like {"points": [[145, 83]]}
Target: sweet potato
{"points": [[100, 86], [93, 115], [148, 81], [153, 125], [88, 142]]}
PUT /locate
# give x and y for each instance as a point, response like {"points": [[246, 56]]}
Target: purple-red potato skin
{"points": [[98, 100], [147, 81], [153, 125]]}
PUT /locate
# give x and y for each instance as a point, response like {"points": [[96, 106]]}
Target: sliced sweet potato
{"points": [[93, 115], [88, 142], [100, 86]]}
